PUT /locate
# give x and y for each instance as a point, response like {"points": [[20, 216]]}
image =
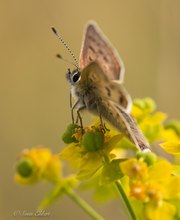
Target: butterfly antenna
{"points": [[59, 56], [66, 46]]}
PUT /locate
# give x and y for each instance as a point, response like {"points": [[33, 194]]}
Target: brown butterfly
{"points": [[97, 85]]}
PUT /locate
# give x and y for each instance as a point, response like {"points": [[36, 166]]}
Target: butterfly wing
{"points": [[117, 94], [96, 47], [123, 122], [99, 97], [107, 88]]}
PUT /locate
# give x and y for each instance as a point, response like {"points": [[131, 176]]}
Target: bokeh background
{"points": [[34, 93]]}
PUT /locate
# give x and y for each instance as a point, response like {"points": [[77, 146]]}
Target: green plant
{"points": [[147, 183]]}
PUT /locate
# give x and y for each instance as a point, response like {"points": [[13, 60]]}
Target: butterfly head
{"points": [[73, 76]]}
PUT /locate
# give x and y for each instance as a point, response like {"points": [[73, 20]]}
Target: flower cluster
{"points": [[102, 158], [152, 189], [37, 164]]}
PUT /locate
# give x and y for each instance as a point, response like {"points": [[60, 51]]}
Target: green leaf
{"points": [[113, 142], [176, 203], [85, 174], [111, 171], [126, 144], [105, 193]]}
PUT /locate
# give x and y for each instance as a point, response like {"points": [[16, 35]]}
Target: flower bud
{"points": [[68, 137], [148, 158], [93, 140], [25, 167]]}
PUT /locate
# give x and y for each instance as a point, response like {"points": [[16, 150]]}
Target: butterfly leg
{"points": [[71, 106], [80, 118], [79, 107], [102, 125]]}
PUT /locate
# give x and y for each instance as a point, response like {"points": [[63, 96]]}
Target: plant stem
{"points": [[85, 206], [125, 200]]}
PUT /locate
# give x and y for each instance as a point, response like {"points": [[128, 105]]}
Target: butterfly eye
{"points": [[75, 77]]}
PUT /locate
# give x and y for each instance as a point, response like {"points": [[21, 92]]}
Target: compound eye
{"points": [[75, 77]]}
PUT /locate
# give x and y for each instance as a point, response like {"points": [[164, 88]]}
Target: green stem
{"points": [[90, 211], [125, 200]]}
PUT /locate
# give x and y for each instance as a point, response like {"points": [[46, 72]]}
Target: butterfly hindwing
{"points": [[106, 88]]}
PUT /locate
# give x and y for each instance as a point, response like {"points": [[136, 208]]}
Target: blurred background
{"points": [[35, 95]]}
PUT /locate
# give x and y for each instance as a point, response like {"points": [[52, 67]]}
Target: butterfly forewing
{"points": [[96, 47]]}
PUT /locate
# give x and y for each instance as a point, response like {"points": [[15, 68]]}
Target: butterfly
{"points": [[97, 85]]}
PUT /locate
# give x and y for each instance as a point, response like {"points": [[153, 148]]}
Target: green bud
{"points": [[67, 137], [25, 167], [93, 140], [149, 158], [150, 104], [146, 104], [138, 103]]}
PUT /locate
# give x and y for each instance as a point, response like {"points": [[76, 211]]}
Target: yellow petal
{"points": [[160, 171], [172, 187], [164, 211], [134, 168], [172, 147]]}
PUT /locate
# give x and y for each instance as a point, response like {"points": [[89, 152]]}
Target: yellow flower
{"points": [[88, 154], [41, 163], [142, 107], [165, 211], [154, 193], [135, 169], [138, 191], [153, 185]]}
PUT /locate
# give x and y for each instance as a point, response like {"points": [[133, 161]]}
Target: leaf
{"points": [[105, 193], [176, 203], [111, 171], [172, 147], [112, 143], [126, 144], [85, 174]]}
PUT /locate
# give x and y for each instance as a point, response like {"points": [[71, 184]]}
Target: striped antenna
{"points": [[66, 46]]}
